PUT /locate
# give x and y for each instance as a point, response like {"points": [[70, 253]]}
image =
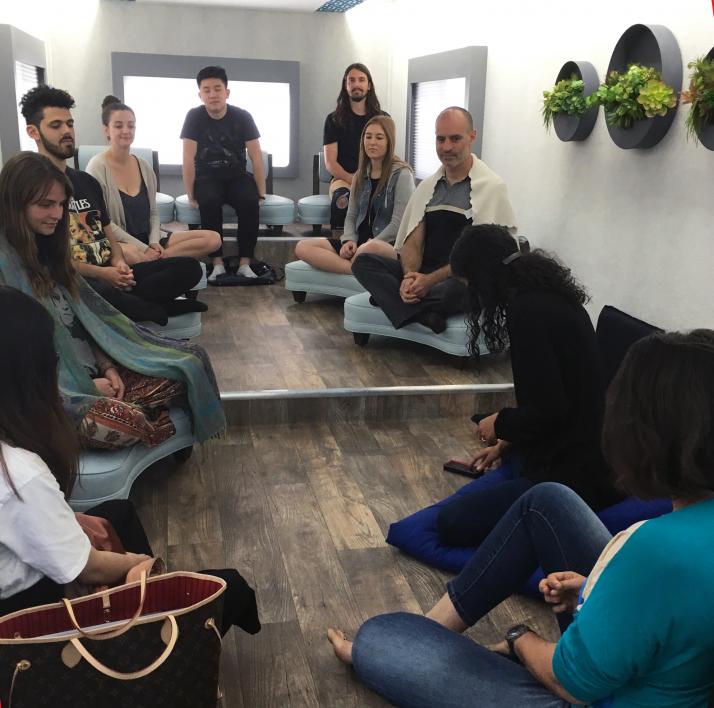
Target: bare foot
{"points": [[341, 645]]}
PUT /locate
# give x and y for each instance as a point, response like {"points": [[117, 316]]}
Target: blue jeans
{"points": [[412, 661]]}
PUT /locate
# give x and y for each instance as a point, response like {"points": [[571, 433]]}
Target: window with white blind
{"points": [[161, 104], [26, 78], [429, 98]]}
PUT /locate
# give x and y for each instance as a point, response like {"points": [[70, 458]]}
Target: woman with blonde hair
{"points": [[380, 192]]}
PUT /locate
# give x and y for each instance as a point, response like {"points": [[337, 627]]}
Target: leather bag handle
{"points": [[132, 675], [99, 634]]}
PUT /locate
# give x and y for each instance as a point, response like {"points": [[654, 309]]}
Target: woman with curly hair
{"points": [[532, 303]]}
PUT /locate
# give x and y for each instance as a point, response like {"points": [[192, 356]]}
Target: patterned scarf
{"points": [[126, 343]]}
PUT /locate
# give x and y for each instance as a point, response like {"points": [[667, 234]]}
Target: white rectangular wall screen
{"points": [[161, 105], [26, 78], [429, 98]]}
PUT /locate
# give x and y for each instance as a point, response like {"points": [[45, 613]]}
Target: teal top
{"points": [[645, 634]]}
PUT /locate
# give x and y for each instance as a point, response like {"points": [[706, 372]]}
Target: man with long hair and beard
{"points": [[356, 104]]}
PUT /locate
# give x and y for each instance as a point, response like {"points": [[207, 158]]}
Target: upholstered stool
{"points": [[275, 212], [363, 319], [179, 327], [109, 474], [314, 209], [302, 278], [165, 207]]}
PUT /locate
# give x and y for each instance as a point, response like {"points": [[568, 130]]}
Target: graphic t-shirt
{"points": [[87, 219], [221, 142], [347, 138]]}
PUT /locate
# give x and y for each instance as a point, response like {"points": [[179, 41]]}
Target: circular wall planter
{"points": [[649, 45], [706, 134], [567, 127]]}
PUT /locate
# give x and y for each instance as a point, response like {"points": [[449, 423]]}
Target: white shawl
{"points": [[489, 201]]}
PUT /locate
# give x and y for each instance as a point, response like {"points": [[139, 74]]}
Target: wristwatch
{"points": [[514, 633]]}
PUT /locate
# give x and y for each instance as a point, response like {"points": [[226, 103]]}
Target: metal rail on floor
{"points": [[284, 393]]}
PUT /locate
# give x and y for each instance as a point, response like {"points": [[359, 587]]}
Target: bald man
{"points": [[412, 282]]}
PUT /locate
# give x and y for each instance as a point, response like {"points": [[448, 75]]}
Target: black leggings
{"points": [[239, 605], [157, 284], [242, 194]]}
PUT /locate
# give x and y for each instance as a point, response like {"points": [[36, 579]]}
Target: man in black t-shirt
{"points": [[147, 291], [356, 104], [215, 138]]}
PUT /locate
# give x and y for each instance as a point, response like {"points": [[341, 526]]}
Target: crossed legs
{"points": [[425, 661]]}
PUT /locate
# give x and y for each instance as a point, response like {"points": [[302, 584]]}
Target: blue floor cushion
{"points": [[417, 535]]}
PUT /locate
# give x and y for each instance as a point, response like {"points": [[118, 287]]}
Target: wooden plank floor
{"points": [[259, 338], [301, 511]]}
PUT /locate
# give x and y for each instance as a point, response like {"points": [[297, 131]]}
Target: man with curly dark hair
{"points": [[147, 290]]}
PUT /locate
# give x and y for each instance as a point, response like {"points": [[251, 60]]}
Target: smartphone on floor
{"points": [[462, 468]]}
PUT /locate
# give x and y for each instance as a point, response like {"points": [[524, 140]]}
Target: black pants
{"points": [[382, 277], [239, 192], [239, 605], [157, 283]]}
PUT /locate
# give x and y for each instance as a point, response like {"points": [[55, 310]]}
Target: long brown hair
{"points": [[25, 179], [343, 109], [389, 161], [31, 413]]}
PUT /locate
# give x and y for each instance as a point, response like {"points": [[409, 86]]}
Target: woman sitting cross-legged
{"points": [[42, 546], [116, 379], [380, 192], [642, 631], [530, 302], [129, 187]]}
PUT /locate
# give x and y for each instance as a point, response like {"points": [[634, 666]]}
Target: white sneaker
{"points": [[246, 271], [217, 270]]}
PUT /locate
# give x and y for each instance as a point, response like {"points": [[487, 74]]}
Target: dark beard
{"points": [[358, 99], [58, 151]]}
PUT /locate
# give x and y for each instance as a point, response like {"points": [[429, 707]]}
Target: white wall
{"points": [[636, 226], [321, 42]]}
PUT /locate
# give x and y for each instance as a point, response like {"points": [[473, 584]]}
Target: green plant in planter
{"points": [[700, 95], [633, 95], [566, 97]]}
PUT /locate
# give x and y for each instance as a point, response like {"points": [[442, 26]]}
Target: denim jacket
{"points": [[389, 205]]}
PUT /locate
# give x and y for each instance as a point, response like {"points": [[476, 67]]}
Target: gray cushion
{"points": [[109, 474], [275, 211], [364, 318], [304, 278]]}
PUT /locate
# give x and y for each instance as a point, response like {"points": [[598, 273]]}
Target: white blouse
{"points": [[39, 533]]}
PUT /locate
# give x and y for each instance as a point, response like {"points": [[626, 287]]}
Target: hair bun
{"points": [[108, 100]]}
